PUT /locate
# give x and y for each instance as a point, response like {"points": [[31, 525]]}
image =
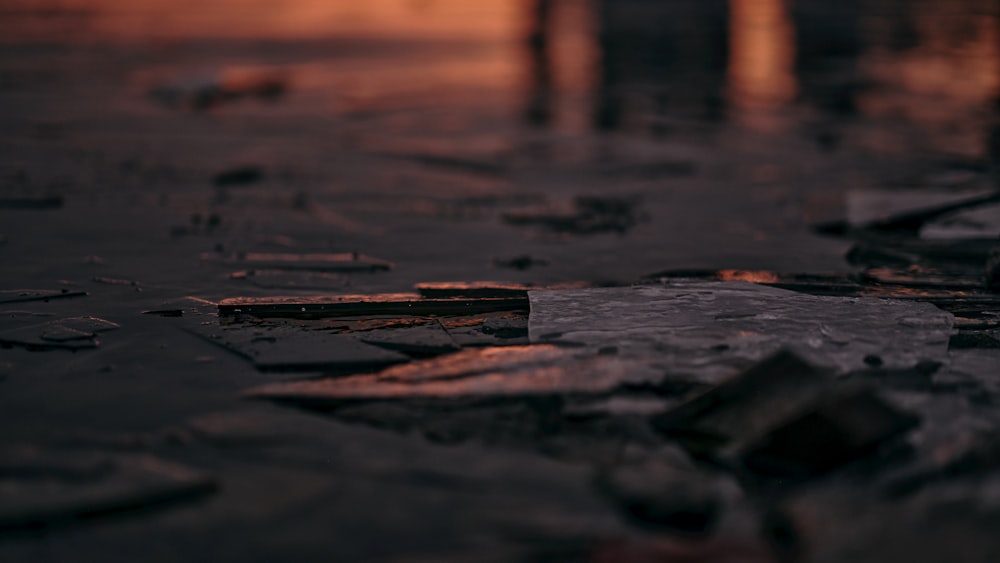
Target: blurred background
{"points": [[790, 101], [578, 64]]}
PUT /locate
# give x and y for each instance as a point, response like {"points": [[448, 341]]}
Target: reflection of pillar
{"points": [[539, 105], [996, 27], [993, 134], [608, 104], [761, 56], [667, 56], [828, 44]]}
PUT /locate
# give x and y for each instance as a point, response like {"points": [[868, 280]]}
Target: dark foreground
{"points": [[411, 298]]}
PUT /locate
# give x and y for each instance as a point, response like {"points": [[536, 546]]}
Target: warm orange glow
{"points": [[285, 19], [942, 70], [754, 276], [761, 56], [574, 55]]}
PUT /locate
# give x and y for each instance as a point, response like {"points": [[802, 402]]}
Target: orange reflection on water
{"points": [[956, 62], [142, 20], [754, 276], [761, 58]]}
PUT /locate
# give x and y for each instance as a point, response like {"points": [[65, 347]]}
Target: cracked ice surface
{"points": [[709, 330]]}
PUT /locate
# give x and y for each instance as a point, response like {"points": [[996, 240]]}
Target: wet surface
{"points": [[529, 280], [696, 330]]}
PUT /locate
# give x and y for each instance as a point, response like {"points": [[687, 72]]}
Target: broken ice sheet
{"points": [[71, 333], [983, 222], [784, 418], [846, 424], [238, 176], [40, 489], [509, 371], [908, 209], [745, 406], [26, 295], [708, 330], [916, 276], [425, 340], [281, 347], [490, 329], [396, 304]]}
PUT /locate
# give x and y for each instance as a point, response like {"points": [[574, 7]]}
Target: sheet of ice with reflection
{"points": [[710, 330], [501, 371]]}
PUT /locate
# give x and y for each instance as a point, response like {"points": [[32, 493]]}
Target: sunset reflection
{"points": [[144, 20], [956, 60], [761, 57], [579, 66]]}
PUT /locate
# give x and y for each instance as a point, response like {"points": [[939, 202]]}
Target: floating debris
{"points": [[588, 215], [114, 281], [43, 490], [490, 329], [321, 262], [522, 262], [239, 176], [916, 276], [396, 304], [26, 295], [72, 333], [165, 312], [417, 341], [288, 348], [901, 211], [506, 327], [961, 257], [39, 203], [982, 222]]}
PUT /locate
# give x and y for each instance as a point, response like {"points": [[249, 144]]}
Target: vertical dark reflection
{"points": [[608, 104], [539, 38], [828, 38], [667, 57], [903, 34]]}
